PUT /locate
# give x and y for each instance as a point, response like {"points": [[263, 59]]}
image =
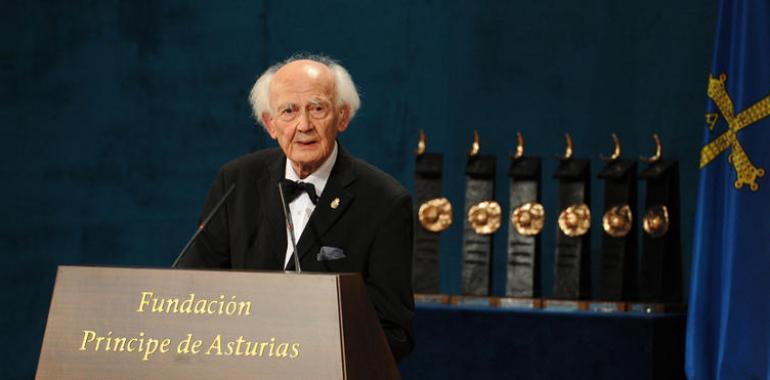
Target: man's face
{"points": [[305, 119]]}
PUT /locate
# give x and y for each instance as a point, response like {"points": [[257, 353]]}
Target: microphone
{"points": [[203, 225], [290, 227]]}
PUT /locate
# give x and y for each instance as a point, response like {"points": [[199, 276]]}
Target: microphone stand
{"points": [[290, 227], [203, 225]]}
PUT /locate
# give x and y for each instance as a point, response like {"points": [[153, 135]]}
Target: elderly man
{"points": [[360, 216]]}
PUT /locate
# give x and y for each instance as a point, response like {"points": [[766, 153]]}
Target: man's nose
{"points": [[304, 122]]}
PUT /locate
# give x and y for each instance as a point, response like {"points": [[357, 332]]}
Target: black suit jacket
{"points": [[372, 224]]}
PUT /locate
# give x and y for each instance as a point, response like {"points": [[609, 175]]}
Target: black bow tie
{"points": [[291, 190]]}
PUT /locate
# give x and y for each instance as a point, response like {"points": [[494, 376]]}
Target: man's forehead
{"points": [[304, 72], [301, 78]]}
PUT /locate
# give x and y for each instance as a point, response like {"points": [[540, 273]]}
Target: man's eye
{"points": [[318, 110]]}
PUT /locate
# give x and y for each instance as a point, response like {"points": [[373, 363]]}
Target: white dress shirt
{"points": [[301, 207]]}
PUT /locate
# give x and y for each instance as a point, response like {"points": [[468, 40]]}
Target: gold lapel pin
{"points": [[335, 203]]}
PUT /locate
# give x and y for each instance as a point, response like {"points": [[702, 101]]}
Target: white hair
{"points": [[347, 94]]}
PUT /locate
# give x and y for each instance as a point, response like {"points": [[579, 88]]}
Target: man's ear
{"points": [[267, 121], [344, 120]]}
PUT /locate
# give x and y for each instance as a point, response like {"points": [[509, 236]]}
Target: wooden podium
{"points": [[123, 323]]}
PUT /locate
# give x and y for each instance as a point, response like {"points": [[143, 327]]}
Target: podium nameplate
{"points": [[159, 323]]}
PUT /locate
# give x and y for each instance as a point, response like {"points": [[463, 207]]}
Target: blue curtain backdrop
{"points": [[116, 114], [728, 333]]}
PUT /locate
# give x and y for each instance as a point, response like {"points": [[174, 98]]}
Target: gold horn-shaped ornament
{"points": [[617, 221], [655, 221], [420, 144], [575, 220], [615, 152], [475, 147], [568, 149], [484, 217], [528, 219], [436, 214], [658, 151], [519, 147]]}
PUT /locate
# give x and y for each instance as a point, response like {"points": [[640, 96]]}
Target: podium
{"points": [[131, 323]]}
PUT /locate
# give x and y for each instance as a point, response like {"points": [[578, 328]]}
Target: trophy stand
{"points": [[619, 259], [572, 264], [482, 220], [434, 214], [522, 289], [660, 276]]}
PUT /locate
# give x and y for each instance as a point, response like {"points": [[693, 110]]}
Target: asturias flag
{"points": [[728, 327]]}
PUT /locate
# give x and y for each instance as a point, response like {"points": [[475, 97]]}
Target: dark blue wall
{"points": [[116, 114]]}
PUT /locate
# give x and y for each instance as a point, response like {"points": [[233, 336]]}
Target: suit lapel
{"points": [[331, 206], [272, 242]]}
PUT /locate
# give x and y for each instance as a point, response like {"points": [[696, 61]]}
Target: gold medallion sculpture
{"points": [[575, 220], [475, 147], [528, 218], [617, 221], [420, 144], [436, 214], [519, 147], [656, 221], [484, 217], [567, 149], [658, 151], [615, 152]]}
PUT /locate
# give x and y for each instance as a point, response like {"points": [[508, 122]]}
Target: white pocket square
{"points": [[330, 253]]}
